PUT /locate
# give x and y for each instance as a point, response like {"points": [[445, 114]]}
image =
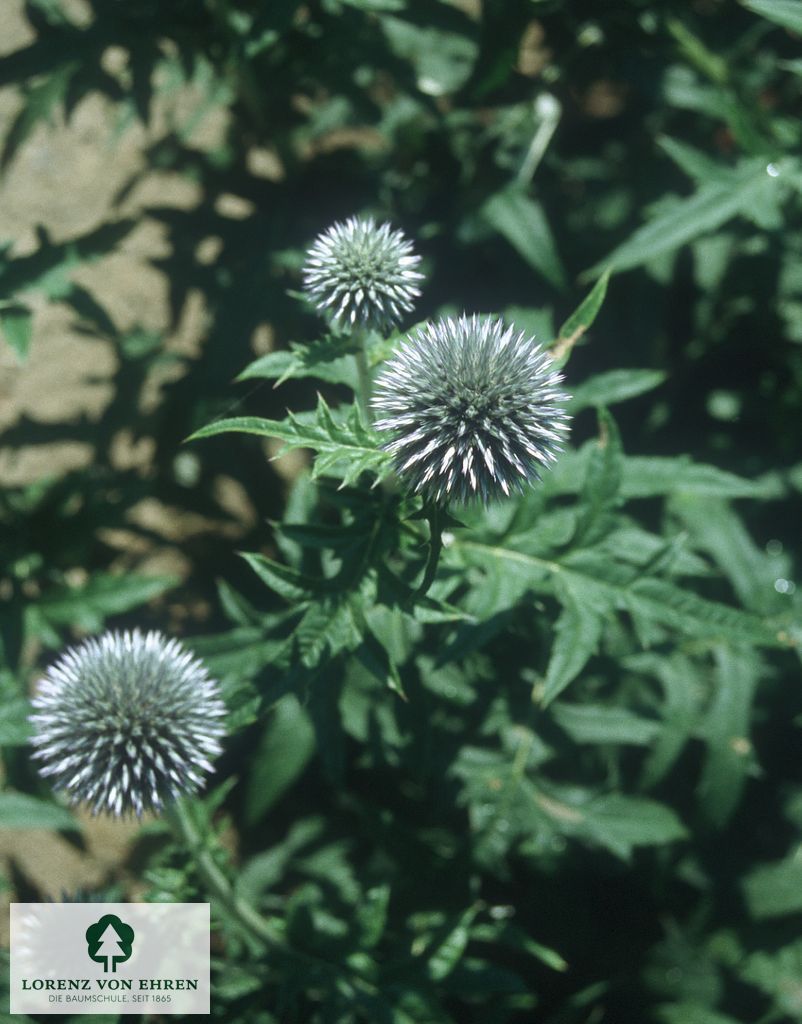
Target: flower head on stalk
{"points": [[361, 274], [473, 409], [127, 722]]}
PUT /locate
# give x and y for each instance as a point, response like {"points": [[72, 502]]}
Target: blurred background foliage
{"points": [[164, 165]]}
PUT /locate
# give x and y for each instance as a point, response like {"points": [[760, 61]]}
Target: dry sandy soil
{"points": [[65, 178]]}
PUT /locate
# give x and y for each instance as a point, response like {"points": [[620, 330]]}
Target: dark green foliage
{"points": [[535, 762]]}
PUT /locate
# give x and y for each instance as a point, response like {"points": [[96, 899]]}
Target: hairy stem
{"points": [[214, 879], [363, 374]]}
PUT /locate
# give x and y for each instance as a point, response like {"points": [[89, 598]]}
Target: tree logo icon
{"points": [[109, 941]]}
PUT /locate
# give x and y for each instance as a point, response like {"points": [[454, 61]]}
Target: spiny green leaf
{"points": [[692, 1013], [15, 729], [498, 789], [647, 477], [612, 820], [17, 325], [18, 810], [597, 723], [652, 476], [614, 386], [692, 161], [601, 485], [286, 746], [265, 869], [103, 595], [679, 678], [236, 607], [447, 950], [325, 537], [330, 360], [345, 447], [715, 528], [586, 312], [777, 973], [372, 915], [604, 585], [377, 660], [707, 209], [653, 554], [787, 13], [694, 50], [623, 822], [325, 696], [329, 626], [241, 653], [515, 937], [282, 579], [773, 890], [729, 751], [577, 635], [696, 616], [523, 223]]}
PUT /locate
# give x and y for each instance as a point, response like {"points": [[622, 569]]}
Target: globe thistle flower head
{"points": [[473, 409], [126, 723], [361, 274]]}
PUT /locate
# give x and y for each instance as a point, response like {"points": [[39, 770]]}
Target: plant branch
{"points": [[250, 920], [219, 887], [363, 374]]}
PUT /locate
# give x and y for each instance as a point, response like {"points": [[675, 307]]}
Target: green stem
{"points": [[250, 920], [363, 374], [218, 885], [435, 549]]}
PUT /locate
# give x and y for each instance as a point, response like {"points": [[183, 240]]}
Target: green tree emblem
{"points": [[109, 942]]}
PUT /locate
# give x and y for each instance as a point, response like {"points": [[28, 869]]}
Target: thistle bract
{"points": [[473, 409], [127, 722], [358, 274]]}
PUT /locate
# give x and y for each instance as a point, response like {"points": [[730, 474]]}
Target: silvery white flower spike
{"points": [[358, 274], [474, 409], [127, 722]]}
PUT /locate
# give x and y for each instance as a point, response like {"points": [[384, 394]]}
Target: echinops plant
{"points": [[127, 722], [473, 408], [360, 274], [452, 645]]}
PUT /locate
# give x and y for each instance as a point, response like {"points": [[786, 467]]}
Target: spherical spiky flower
{"points": [[127, 722], [358, 274], [473, 409]]}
